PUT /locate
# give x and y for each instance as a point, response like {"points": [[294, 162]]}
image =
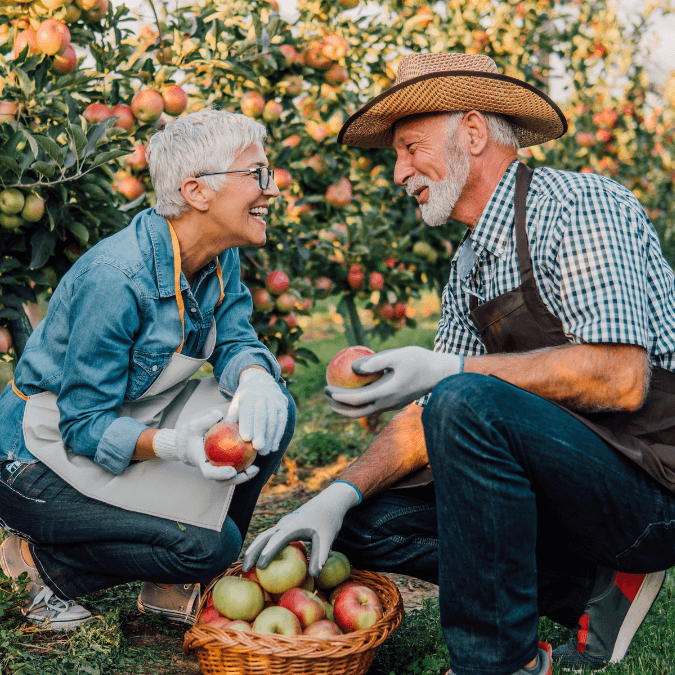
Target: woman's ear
{"points": [[196, 194]]}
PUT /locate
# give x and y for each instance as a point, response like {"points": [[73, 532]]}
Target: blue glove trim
{"points": [[358, 492]]}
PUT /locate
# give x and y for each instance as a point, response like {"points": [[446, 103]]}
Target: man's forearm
{"points": [[398, 450], [583, 377]]}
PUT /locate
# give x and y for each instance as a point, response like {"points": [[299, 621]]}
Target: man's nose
{"points": [[402, 171]]}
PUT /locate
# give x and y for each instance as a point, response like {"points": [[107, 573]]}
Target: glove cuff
{"points": [[346, 494], [164, 444]]}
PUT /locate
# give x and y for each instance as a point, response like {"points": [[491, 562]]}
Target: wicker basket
{"points": [[231, 652]]}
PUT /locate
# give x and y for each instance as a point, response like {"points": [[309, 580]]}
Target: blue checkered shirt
{"points": [[596, 258]]}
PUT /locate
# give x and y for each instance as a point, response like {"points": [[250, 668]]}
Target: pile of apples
{"points": [[282, 599]]}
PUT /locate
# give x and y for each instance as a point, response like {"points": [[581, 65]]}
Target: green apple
{"points": [[287, 570], [335, 571], [11, 201], [11, 222], [33, 208], [237, 598], [277, 620]]}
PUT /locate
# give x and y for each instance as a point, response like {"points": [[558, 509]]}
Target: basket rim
{"points": [[203, 636]]}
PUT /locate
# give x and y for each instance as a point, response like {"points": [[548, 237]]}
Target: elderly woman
{"points": [[103, 474]]}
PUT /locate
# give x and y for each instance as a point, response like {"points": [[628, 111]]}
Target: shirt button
{"points": [[154, 369], [193, 309]]}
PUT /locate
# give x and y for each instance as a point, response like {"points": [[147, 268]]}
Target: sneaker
{"points": [[48, 612], [542, 667], [611, 619], [177, 603], [43, 608]]}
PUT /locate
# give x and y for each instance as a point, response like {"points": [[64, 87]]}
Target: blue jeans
{"points": [[527, 503], [81, 545]]}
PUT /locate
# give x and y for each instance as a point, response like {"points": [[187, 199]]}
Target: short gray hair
{"points": [[499, 128], [200, 142]]}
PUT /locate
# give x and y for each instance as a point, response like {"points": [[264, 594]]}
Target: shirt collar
{"points": [[162, 250], [495, 225]]}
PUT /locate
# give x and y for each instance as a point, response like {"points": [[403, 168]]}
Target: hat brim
{"points": [[534, 116]]}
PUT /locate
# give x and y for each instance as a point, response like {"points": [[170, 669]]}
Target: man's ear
{"points": [[476, 132], [196, 194]]}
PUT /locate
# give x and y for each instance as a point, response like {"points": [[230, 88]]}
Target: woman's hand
{"points": [[186, 444], [260, 408]]}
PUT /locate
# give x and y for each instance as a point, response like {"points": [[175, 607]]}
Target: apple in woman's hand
{"points": [[225, 447]]}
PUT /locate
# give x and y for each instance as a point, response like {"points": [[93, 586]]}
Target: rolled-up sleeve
{"points": [[96, 367], [237, 345]]}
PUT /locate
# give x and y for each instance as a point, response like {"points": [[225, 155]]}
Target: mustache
{"points": [[415, 183]]}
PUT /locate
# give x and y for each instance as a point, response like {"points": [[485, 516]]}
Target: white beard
{"points": [[443, 194]]}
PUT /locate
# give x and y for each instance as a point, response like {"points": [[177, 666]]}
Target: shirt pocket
{"points": [[144, 369]]}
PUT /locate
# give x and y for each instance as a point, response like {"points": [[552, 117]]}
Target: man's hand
{"points": [[186, 444], [410, 373], [319, 519], [261, 409]]}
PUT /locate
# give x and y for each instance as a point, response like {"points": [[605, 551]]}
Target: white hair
{"points": [[200, 142]]}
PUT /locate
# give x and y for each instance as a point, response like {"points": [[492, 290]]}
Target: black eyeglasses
{"points": [[264, 175]]}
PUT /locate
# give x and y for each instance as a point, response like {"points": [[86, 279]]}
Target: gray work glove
{"points": [[261, 409], [319, 519], [186, 444], [410, 372]]}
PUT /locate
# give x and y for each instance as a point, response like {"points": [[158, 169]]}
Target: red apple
{"points": [[339, 194], [356, 608], [96, 112], [52, 36], [136, 160], [8, 111], [585, 139], [322, 629], [336, 74], [262, 300], [65, 62], [252, 104], [147, 105], [237, 598], [356, 276], [376, 281], [5, 340], [210, 614], [323, 286], [26, 37], [277, 282], [131, 187], [282, 178], [300, 545], [334, 46], [225, 447], [335, 571], [175, 99], [96, 10], [315, 58], [285, 302], [291, 54], [287, 365], [340, 374], [277, 620], [273, 111], [287, 570], [294, 84], [338, 589], [126, 119], [399, 310], [385, 310], [304, 605]]}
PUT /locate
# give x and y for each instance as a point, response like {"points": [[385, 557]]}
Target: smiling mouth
{"points": [[418, 195], [259, 213]]}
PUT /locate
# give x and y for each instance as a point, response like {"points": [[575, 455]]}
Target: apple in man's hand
{"points": [[307, 607], [335, 571], [340, 374], [287, 570], [323, 629], [277, 620], [237, 598], [225, 447], [357, 607]]}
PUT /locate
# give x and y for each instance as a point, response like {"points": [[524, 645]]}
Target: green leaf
{"points": [[105, 157], [94, 190], [48, 170], [9, 164], [50, 147], [31, 142], [181, 527], [7, 264], [79, 140], [42, 243], [94, 135], [306, 354], [25, 82], [79, 230]]}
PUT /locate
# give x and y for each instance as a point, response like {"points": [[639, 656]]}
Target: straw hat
{"points": [[431, 83]]}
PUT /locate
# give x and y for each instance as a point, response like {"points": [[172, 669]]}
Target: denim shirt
{"points": [[111, 327]]}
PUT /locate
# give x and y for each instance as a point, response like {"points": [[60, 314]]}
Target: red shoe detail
{"points": [[582, 633], [549, 650], [629, 584]]}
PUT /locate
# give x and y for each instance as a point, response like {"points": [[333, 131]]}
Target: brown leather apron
{"points": [[519, 321]]}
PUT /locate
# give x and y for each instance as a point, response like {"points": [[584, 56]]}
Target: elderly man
{"points": [[545, 418]]}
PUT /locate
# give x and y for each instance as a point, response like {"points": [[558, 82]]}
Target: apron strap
{"points": [[219, 272], [15, 389], [523, 180], [179, 295]]}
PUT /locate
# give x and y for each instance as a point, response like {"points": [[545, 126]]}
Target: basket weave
{"points": [[222, 651]]}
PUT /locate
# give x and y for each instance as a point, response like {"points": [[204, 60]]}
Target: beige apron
{"points": [[166, 489]]}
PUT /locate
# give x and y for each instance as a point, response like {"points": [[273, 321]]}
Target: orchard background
{"points": [[76, 114]]}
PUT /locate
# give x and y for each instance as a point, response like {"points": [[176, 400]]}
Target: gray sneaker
{"points": [[43, 608], [611, 618], [177, 603]]}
